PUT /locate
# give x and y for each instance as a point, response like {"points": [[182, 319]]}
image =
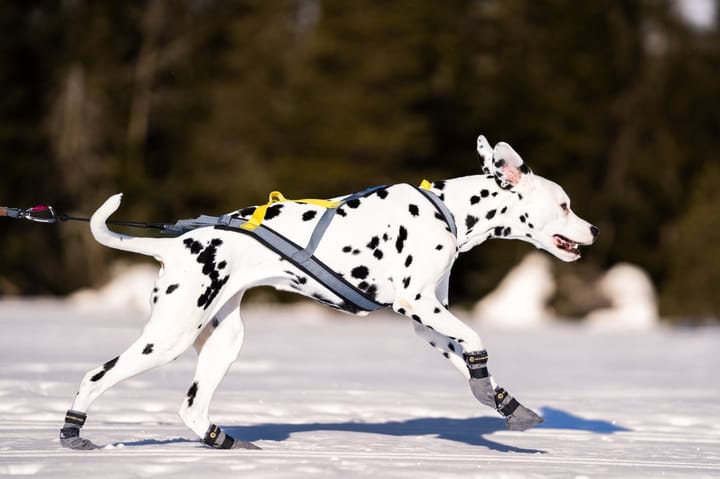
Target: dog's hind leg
{"points": [[466, 351], [170, 331], [216, 353]]}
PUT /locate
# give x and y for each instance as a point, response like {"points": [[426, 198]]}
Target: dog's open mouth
{"points": [[566, 244]]}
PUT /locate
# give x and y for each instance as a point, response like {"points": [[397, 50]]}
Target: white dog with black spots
{"points": [[391, 244]]}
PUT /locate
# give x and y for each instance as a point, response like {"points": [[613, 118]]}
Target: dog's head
{"points": [[541, 213]]}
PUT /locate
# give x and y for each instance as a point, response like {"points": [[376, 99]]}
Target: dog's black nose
{"points": [[595, 231]]}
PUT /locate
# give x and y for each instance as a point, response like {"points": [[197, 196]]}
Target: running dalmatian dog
{"points": [[391, 244]]}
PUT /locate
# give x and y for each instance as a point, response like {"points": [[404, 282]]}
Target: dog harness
{"points": [[303, 257]]}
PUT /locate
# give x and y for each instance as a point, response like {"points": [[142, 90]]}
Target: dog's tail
{"points": [[103, 235]]}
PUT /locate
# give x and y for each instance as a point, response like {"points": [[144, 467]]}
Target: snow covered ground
{"points": [[329, 395]]}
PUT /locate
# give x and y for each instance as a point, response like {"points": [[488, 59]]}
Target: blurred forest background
{"points": [[204, 106]]}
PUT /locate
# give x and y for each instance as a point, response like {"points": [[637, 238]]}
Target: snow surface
{"points": [[329, 395]]}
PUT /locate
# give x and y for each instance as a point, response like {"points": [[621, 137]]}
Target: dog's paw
{"points": [[244, 445], [523, 418], [77, 443]]}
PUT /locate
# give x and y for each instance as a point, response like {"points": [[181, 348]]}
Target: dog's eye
{"points": [[565, 208]]}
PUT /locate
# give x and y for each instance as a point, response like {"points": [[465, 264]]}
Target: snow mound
{"points": [[521, 298], [129, 288], [632, 298]]}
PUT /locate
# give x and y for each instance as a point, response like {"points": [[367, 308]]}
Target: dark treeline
{"points": [[203, 106]]}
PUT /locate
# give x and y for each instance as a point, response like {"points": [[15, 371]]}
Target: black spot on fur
{"points": [[215, 322], [418, 297], [498, 231], [192, 392], [490, 214], [523, 219], [474, 200], [406, 282], [447, 356], [416, 318], [371, 292], [341, 212], [382, 193], [440, 185], [194, 246], [363, 285], [506, 231], [436, 310], [308, 215], [439, 247], [401, 310], [360, 272], [378, 254], [408, 261], [484, 193], [273, 211], [400, 242], [247, 211], [471, 221], [222, 264], [106, 367], [148, 348], [414, 210], [354, 203], [347, 249], [207, 259], [451, 347], [171, 288], [374, 242]]}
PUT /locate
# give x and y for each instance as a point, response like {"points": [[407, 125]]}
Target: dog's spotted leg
{"points": [[216, 353], [464, 348], [167, 335]]}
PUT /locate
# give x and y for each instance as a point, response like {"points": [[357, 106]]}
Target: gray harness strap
{"points": [[304, 258], [441, 207]]}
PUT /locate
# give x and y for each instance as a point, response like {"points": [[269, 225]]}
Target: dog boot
{"points": [[517, 416], [480, 383], [215, 438], [70, 433]]}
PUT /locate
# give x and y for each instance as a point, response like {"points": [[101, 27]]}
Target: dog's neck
{"points": [[479, 206]]}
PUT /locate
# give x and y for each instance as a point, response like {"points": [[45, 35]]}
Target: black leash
{"points": [[47, 214]]}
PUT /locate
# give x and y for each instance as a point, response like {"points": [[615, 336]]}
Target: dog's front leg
{"points": [[466, 351]]}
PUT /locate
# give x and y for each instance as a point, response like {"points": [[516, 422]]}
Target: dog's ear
{"points": [[504, 163]]}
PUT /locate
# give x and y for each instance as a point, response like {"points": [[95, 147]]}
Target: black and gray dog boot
{"points": [[480, 383], [70, 433], [517, 416], [215, 438]]}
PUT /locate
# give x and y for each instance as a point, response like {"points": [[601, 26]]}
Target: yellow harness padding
{"points": [[276, 197]]}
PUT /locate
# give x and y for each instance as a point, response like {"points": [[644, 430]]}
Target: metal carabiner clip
{"points": [[40, 214]]}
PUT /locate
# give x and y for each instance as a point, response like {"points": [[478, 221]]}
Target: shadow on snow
{"points": [[471, 431]]}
